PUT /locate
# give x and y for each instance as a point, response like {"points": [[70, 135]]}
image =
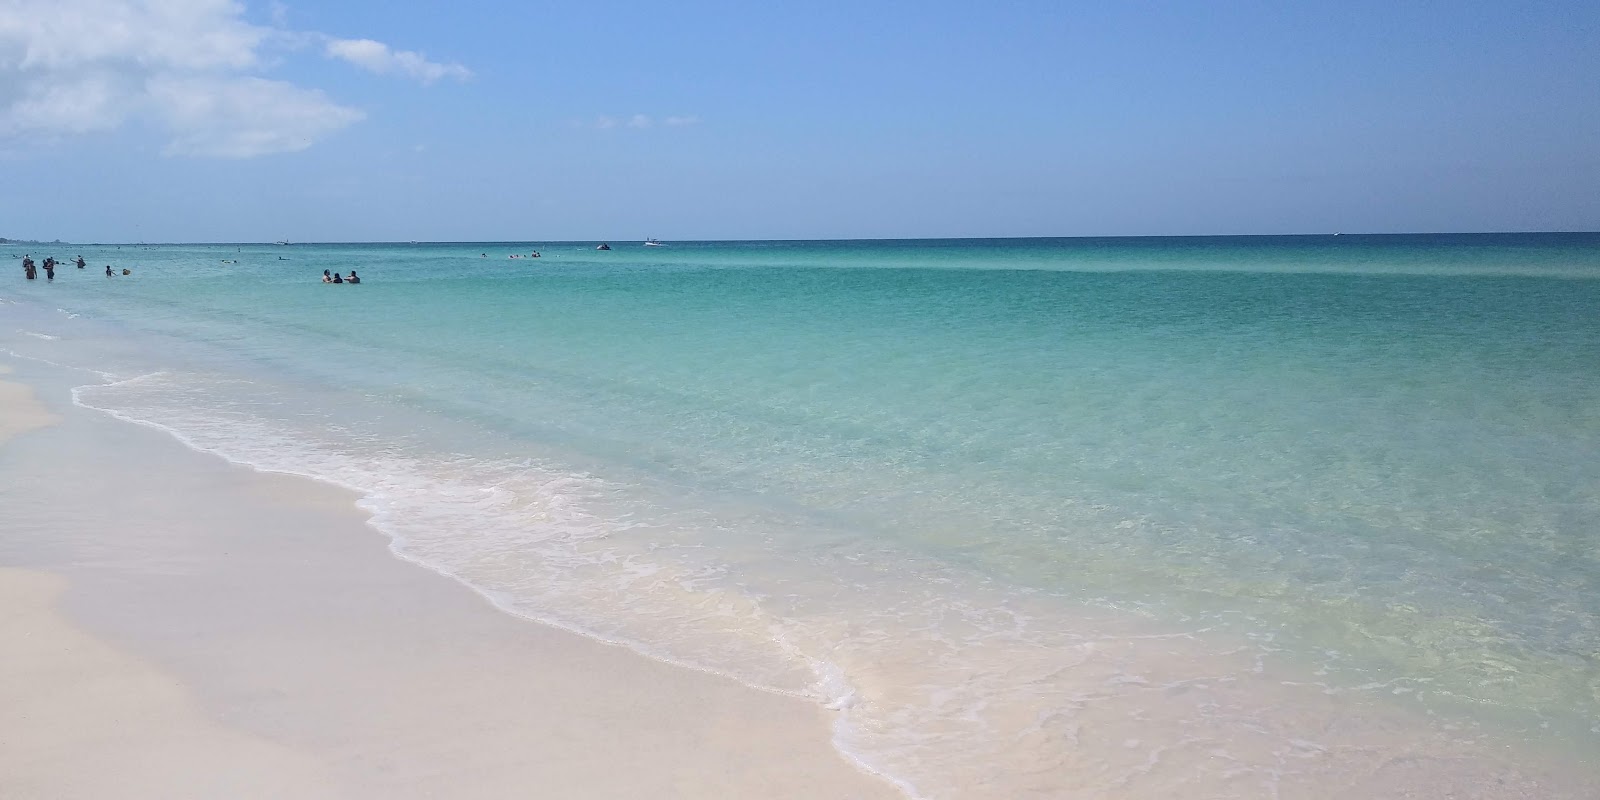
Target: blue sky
{"points": [[207, 120]]}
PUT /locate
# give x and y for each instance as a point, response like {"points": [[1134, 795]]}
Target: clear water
{"points": [[1076, 518]]}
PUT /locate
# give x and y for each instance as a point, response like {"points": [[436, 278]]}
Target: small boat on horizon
{"points": [[280, 242], [603, 246], [653, 243]]}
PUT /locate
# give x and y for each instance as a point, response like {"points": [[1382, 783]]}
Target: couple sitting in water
{"points": [[333, 277]]}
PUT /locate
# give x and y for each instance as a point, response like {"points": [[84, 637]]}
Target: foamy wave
{"points": [[523, 534]]}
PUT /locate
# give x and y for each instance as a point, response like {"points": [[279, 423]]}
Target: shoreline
{"points": [[1158, 710], [259, 615]]}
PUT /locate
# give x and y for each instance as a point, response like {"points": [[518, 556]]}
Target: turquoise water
{"points": [[953, 488]]}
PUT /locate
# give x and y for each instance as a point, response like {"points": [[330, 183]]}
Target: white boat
{"points": [[280, 242], [653, 243]]}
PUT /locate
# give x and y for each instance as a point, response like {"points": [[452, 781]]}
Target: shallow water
{"points": [[1055, 518]]}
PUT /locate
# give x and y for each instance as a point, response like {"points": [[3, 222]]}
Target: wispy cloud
{"points": [[377, 57], [69, 67], [607, 122]]}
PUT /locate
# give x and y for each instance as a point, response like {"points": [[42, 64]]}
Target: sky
{"points": [[219, 121]]}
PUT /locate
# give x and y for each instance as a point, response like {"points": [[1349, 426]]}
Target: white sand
{"points": [[81, 719], [20, 412], [191, 629]]}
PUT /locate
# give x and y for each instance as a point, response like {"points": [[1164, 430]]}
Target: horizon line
{"points": [[835, 239]]}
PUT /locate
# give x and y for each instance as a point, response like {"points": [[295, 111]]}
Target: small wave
{"points": [[102, 374]]}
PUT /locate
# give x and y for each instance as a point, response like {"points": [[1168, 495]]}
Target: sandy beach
{"points": [[179, 627]]}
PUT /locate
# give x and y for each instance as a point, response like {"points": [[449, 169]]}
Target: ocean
{"points": [[1229, 516]]}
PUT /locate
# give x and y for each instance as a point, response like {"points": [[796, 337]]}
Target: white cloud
{"points": [[70, 67], [245, 117], [681, 121], [605, 123], [65, 104], [379, 58], [639, 121], [63, 35]]}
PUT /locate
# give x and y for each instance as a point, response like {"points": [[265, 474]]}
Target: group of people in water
{"points": [[333, 277], [31, 270]]}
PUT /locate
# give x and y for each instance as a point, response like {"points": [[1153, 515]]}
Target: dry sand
{"points": [[81, 719]]}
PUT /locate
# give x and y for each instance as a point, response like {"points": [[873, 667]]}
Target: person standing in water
{"points": [[109, 273], [354, 278], [326, 278], [337, 279], [50, 269], [80, 262]]}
